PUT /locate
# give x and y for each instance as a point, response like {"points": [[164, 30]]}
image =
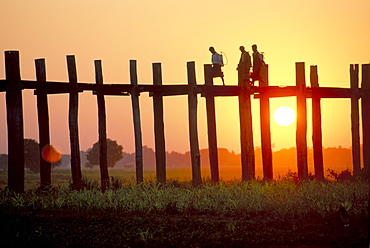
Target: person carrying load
{"points": [[217, 63]]}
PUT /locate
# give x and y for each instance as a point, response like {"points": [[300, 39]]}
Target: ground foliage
{"points": [[227, 214]]}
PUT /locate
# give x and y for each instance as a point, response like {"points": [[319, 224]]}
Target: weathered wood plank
{"points": [[175, 90], [266, 131], [365, 85], [137, 123], [328, 92], [73, 123], [355, 120], [14, 111], [246, 129], [301, 132], [160, 150], [219, 90], [316, 126], [102, 126], [193, 124], [3, 85], [274, 91], [43, 119], [211, 126], [287, 91]]}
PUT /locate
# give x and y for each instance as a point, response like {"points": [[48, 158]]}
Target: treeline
{"points": [[337, 158]]}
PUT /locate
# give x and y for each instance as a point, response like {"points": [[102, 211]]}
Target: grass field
{"points": [[231, 213], [63, 176]]}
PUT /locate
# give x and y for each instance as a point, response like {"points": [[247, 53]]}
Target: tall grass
{"points": [[277, 199]]}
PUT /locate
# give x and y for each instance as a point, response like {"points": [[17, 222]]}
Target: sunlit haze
{"points": [[330, 34]]}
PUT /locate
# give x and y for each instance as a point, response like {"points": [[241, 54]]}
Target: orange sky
{"points": [[330, 34]]}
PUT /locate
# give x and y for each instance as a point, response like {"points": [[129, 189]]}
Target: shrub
{"points": [[342, 176]]}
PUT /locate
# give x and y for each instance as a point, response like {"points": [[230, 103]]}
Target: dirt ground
{"points": [[63, 228]]}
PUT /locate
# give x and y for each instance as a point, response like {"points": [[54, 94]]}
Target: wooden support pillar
{"points": [[266, 131], [355, 120], [246, 129], [316, 125], [73, 123], [43, 119], [14, 111], [365, 86], [102, 126], [137, 123], [160, 150], [211, 125], [193, 124], [301, 132]]}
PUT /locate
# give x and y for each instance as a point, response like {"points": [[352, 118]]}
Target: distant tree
{"points": [[87, 163], [114, 154], [3, 161], [32, 155]]}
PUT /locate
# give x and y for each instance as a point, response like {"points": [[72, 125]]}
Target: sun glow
{"points": [[50, 154], [284, 116]]}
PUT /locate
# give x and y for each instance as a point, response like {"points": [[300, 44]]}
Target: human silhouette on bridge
{"points": [[244, 65], [257, 66], [217, 63]]}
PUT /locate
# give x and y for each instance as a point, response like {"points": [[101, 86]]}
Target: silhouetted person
{"points": [[244, 64], [257, 64], [217, 63]]}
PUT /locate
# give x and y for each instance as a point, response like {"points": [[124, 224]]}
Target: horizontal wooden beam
{"points": [[165, 90], [328, 92], [218, 90], [275, 91], [52, 87], [321, 92], [3, 85], [108, 88]]}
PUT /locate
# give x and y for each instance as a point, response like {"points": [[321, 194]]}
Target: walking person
{"points": [[257, 65], [244, 64], [217, 63]]}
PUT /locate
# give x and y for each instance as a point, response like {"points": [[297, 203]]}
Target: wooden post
{"points": [[193, 127], [365, 86], [160, 150], [246, 129], [211, 125], [43, 119], [103, 153], [316, 125], [137, 124], [301, 133], [14, 111], [355, 120], [266, 131], [73, 124]]}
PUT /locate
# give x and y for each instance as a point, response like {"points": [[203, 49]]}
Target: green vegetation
{"points": [[62, 176], [279, 199], [225, 214]]}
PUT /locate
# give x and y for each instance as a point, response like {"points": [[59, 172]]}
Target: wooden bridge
{"points": [[13, 86]]}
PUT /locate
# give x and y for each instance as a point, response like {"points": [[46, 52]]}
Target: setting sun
{"points": [[284, 116]]}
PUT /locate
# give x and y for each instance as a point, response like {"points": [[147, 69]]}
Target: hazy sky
{"points": [[329, 33]]}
